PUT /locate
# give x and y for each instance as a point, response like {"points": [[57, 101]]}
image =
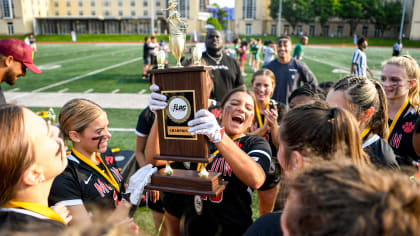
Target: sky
{"points": [[224, 3]]}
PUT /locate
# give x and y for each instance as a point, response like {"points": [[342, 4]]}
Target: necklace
{"points": [[217, 60]]}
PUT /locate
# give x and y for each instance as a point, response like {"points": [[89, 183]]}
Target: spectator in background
{"points": [[298, 50], [242, 56], [397, 48], [269, 51], [146, 56], [290, 73], [32, 43], [359, 60], [15, 57]]}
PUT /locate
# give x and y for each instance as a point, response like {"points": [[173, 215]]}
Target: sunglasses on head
{"points": [[283, 41]]}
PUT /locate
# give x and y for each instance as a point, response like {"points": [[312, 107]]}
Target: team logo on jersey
{"points": [[198, 204], [179, 109], [408, 127]]}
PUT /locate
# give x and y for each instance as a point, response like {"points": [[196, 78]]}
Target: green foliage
{"points": [[324, 9], [274, 9], [221, 16], [297, 11], [354, 11], [385, 14], [213, 21]]}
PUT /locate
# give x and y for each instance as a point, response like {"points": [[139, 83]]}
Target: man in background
{"points": [[15, 57], [298, 50], [359, 61]]}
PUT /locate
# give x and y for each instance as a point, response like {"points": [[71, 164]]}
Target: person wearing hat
{"points": [[15, 57]]}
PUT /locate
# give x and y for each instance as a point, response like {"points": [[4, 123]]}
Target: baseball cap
{"points": [[20, 52]]}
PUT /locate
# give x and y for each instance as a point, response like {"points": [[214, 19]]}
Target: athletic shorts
{"points": [[174, 204], [146, 61]]}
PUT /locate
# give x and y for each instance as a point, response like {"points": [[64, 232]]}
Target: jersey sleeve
{"points": [[355, 57], [145, 122], [66, 190], [307, 75], [260, 151], [297, 51]]}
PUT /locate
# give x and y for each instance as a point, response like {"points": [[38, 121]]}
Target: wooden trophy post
{"points": [[187, 93]]}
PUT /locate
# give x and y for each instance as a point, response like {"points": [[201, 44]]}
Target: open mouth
{"points": [[238, 119]]}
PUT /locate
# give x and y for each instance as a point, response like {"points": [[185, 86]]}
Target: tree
{"points": [[213, 21], [221, 17], [294, 11], [354, 11], [324, 9], [385, 14]]}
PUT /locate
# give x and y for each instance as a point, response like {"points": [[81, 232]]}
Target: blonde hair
{"points": [[413, 72], [77, 114], [265, 72]]}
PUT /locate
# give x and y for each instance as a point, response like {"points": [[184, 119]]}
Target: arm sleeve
{"points": [[145, 122], [66, 190], [355, 57], [307, 75], [260, 152]]}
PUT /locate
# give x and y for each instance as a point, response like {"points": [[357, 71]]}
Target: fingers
{"points": [[154, 88], [63, 212], [157, 102]]}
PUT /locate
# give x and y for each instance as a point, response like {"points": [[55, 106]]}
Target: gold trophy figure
{"points": [[177, 30], [160, 57], [197, 53]]}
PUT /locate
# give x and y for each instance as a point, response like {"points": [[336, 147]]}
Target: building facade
{"points": [[95, 16], [252, 17]]}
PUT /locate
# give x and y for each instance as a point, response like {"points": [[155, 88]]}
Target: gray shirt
{"points": [[289, 77], [2, 98]]}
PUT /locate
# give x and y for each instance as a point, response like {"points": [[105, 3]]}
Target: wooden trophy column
{"points": [[187, 93]]}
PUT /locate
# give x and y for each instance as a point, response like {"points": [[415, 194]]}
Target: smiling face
{"points": [[214, 40], [237, 114], [49, 149], [263, 88], [284, 48], [395, 82], [94, 138]]}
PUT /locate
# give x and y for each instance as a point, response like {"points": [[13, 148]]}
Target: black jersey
{"points": [[145, 122], [379, 151], [274, 173], [230, 212], [82, 184], [226, 75], [21, 221], [401, 137]]}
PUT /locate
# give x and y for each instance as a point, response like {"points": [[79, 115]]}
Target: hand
{"points": [[271, 117], [157, 101], [63, 212], [128, 226], [153, 195], [205, 123], [137, 182]]}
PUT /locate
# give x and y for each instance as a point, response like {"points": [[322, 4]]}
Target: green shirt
{"points": [[297, 51]]}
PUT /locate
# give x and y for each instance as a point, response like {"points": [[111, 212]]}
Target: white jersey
{"points": [[359, 58]]}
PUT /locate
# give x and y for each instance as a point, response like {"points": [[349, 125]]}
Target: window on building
{"points": [[312, 30], [377, 32], [120, 3], [365, 31], [56, 13], [92, 3], [286, 30], [158, 3], [10, 28], [80, 3], [106, 3], [184, 8], [325, 30], [80, 13], [273, 30], [248, 29], [202, 5], [132, 3], [55, 4], [120, 12], [145, 13], [93, 13], [68, 3], [6, 9], [340, 31], [68, 13], [145, 3], [248, 9], [106, 13], [298, 29], [133, 13]]}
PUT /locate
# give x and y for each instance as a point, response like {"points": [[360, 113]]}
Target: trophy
{"points": [[161, 57], [187, 92], [197, 53]]}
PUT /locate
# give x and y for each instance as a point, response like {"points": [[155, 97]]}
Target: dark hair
{"points": [[340, 198], [308, 90], [232, 92], [364, 93], [326, 86], [361, 40], [244, 43], [316, 130], [284, 37], [146, 38], [16, 150]]}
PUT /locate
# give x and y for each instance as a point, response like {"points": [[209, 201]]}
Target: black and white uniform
{"points": [[359, 59], [226, 75], [80, 184], [401, 137], [230, 212], [379, 151], [274, 173], [18, 221]]}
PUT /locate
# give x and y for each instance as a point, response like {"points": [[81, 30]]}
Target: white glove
{"points": [[157, 101], [205, 123], [137, 182]]}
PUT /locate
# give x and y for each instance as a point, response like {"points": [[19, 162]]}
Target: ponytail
{"points": [[379, 121]]}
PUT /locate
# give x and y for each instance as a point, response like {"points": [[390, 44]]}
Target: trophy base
{"points": [[183, 159], [187, 182]]}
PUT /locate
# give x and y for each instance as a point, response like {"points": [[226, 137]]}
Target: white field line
{"points": [[122, 129], [115, 91], [86, 57], [78, 77], [13, 90], [63, 90], [88, 91], [142, 91]]}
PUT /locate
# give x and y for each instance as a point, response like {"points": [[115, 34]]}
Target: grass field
{"points": [[107, 67]]}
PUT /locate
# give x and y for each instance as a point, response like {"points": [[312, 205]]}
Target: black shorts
{"points": [[273, 175], [158, 205], [174, 204], [146, 60]]}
